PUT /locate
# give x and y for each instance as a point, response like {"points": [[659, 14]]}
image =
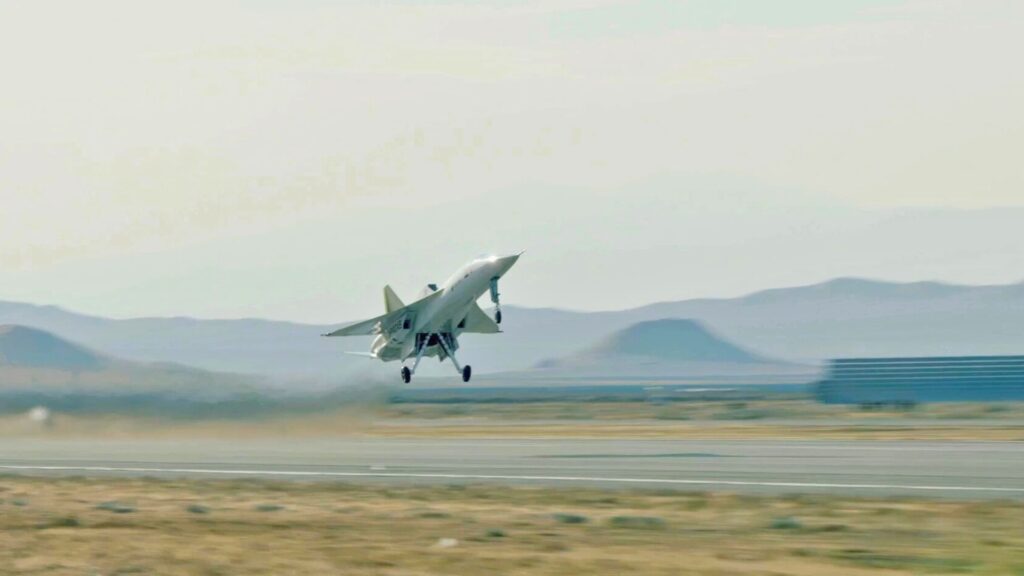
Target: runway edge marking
{"points": [[444, 476]]}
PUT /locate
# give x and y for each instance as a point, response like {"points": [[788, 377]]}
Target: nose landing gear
{"points": [[495, 298], [406, 374], [467, 372]]}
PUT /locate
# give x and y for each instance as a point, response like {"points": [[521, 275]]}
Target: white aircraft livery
{"points": [[431, 325]]}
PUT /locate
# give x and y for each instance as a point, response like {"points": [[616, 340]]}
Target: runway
{"points": [[967, 470]]}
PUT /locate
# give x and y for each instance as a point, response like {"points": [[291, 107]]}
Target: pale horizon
{"points": [[287, 160]]}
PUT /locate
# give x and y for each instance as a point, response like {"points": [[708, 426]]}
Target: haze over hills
{"points": [[843, 317]]}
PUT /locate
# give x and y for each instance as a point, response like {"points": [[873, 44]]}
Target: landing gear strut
{"points": [[495, 298], [421, 346], [467, 372]]}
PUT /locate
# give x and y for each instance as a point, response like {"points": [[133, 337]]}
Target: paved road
{"points": [[970, 470]]}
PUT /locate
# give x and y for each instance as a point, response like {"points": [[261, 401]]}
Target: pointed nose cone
{"points": [[506, 262]]}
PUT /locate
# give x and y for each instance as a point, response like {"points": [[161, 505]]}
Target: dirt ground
{"points": [[176, 527]]}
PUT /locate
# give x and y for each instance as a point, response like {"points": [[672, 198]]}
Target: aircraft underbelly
{"points": [[451, 310], [443, 316]]}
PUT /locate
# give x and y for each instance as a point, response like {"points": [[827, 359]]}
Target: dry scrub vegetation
{"points": [[147, 526]]}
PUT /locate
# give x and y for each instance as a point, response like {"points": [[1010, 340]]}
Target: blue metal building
{"points": [[926, 379]]}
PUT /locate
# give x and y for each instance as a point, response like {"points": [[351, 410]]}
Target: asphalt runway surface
{"points": [[946, 469]]}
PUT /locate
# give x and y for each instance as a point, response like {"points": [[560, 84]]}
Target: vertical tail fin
{"points": [[391, 300]]}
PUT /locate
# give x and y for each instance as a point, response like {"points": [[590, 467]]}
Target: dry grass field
{"points": [[75, 526]]}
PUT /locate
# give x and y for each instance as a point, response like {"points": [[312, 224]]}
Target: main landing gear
{"points": [[466, 370], [424, 340]]}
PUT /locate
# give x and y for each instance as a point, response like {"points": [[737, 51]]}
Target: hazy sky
{"points": [[287, 158]]}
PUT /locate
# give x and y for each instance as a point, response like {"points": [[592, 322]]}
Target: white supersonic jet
{"points": [[431, 325]]}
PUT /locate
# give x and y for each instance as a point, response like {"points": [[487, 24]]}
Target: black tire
{"points": [[467, 372], [406, 374], [497, 317]]}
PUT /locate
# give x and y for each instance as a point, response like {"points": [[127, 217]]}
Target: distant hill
{"points": [[38, 368], [843, 317], [671, 340], [253, 346], [36, 362], [668, 349], [30, 348]]}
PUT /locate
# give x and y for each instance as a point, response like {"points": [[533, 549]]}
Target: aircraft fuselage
{"points": [[444, 315]]}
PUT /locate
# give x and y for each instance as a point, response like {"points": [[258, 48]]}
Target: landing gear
{"points": [[449, 351], [421, 346], [496, 299], [447, 343]]}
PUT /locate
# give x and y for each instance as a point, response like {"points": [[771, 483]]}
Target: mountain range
{"points": [[807, 324]]}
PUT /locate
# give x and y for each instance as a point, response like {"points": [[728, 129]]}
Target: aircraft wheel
{"points": [[466, 373], [497, 317], [406, 374]]}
